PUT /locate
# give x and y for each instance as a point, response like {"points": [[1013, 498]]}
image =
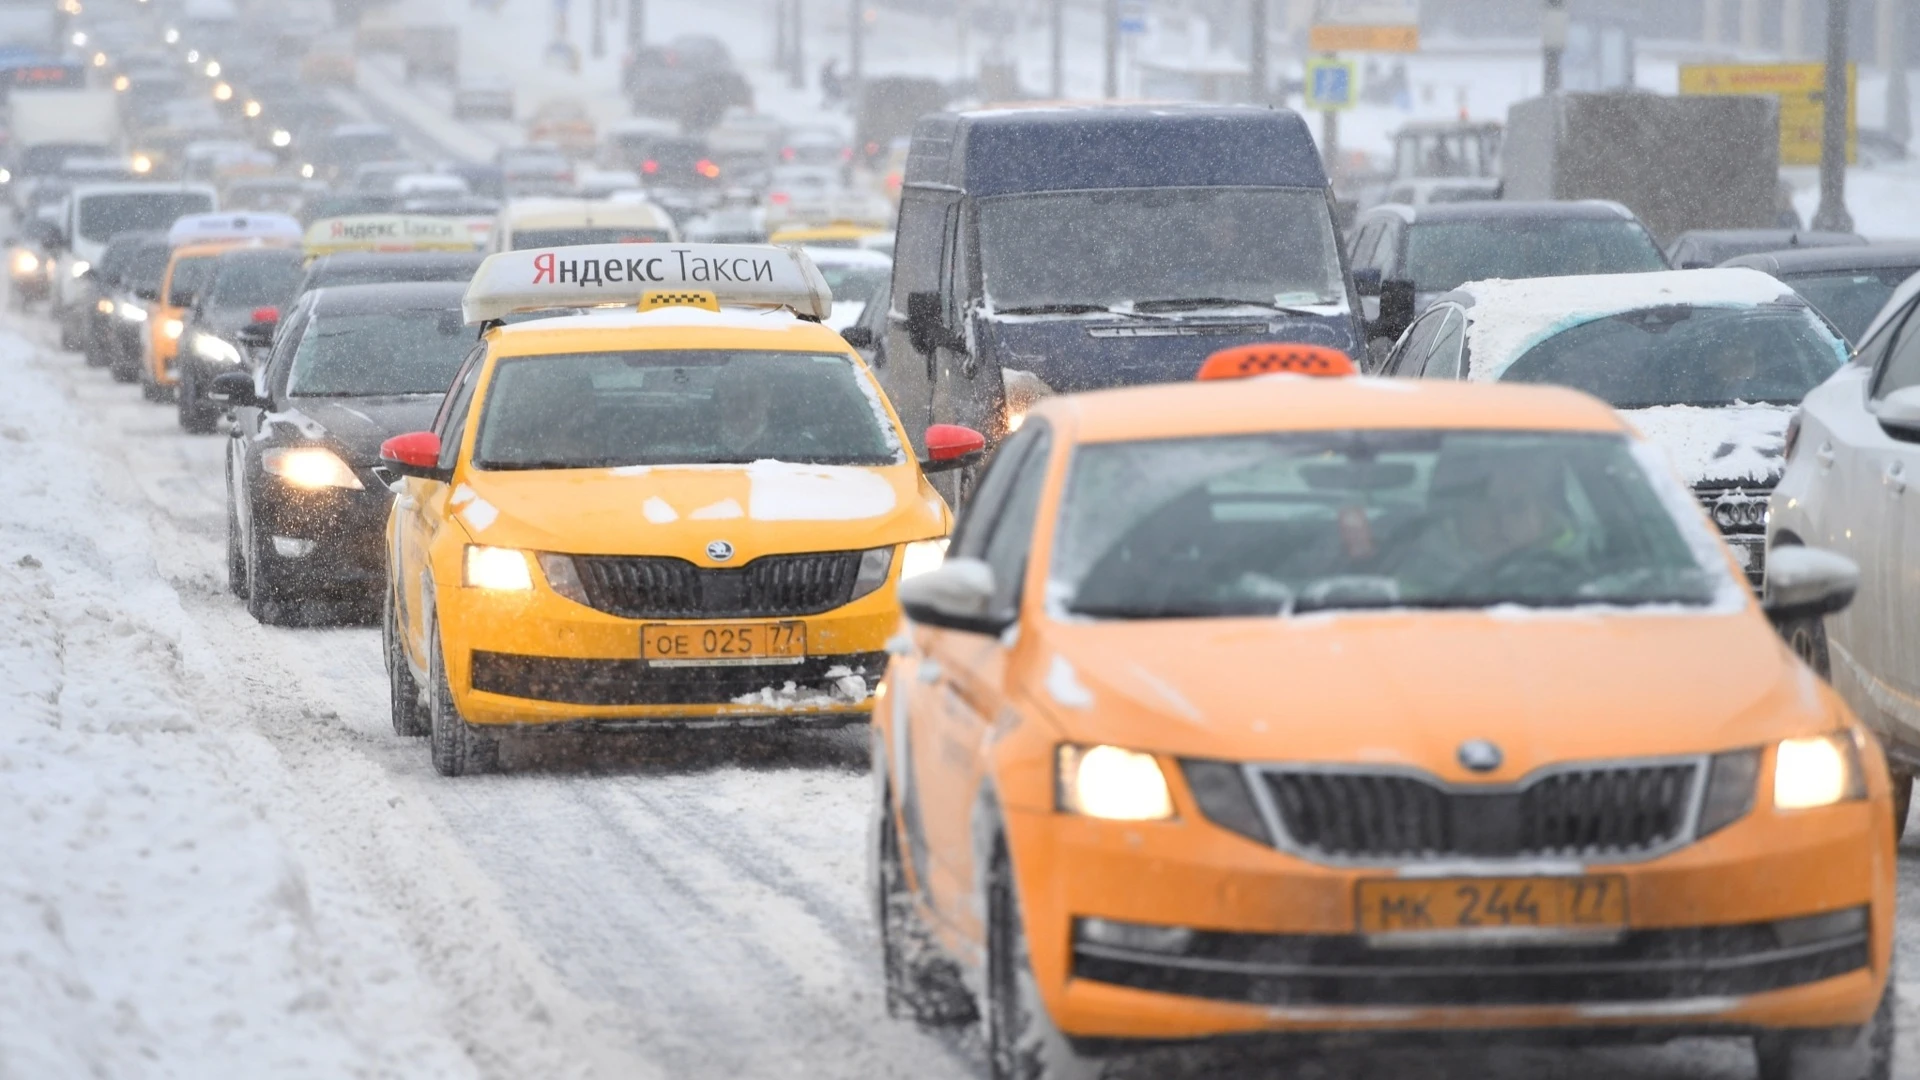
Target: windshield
{"points": [[1849, 298], [854, 282], [254, 281], [102, 217], [1080, 250], [1683, 355], [1446, 255], [373, 273], [146, 266], [189, 274], [376, 354], [675, 407], [546, 238], [1253, 525]]}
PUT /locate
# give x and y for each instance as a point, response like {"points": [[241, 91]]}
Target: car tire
{"points": [[95, 353], [236, 555], [411, 716], [1863, 1053], [922, 984], [68, 341], [197, 416], [1022, 1041], [150, 388], [458, 748], [1807, 637], [1902, 802], [122, 367], [267, 601]]}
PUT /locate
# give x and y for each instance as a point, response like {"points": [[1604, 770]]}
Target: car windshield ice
{"points": [[1252, 525], [1686, 355], [524, 239], [254, 280], [103, 217], [1165, 248], [1445, 255], [674, 407], [1849, 298], [377, 354]]}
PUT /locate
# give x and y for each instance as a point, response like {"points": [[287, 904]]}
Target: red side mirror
{"points": [[415, 454], [950, 446]]}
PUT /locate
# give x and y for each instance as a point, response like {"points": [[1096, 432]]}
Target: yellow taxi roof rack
{"points": [[643, 276]]}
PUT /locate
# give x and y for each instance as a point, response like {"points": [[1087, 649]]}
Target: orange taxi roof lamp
{"points": [[1284, 358]]}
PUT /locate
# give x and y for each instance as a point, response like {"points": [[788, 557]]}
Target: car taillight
{"points": [[786, 153], [707, 169], [1793, 436], [779, 198], [265, 314], [649, 166]]}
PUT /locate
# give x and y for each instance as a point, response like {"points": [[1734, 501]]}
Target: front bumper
{"points": [[339, 532], [1276, 947]]}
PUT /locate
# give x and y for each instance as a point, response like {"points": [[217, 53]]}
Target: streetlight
{"points": [[1832, 215]]}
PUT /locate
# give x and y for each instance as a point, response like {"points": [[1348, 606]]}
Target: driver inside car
{"points": [[1493, 519]]}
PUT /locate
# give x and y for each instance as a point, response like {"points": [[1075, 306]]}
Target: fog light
{"points": [[1137, 936], [292, 547], [1812, 928]]}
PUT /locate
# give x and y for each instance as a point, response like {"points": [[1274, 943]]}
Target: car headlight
{"points": [[281, 137], [25, 262], [1819, 770], [142, 163], [922, 556], [875, 565], [499, 568], [103, 306], [311, 467], [79, 267], [132, 312], [215, 351], [6, 176], [1112, 783], [173, 328]]}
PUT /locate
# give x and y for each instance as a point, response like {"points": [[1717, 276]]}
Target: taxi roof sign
{"points": [[216, 227], [388, 232], [1280, 358], [598, 275]]}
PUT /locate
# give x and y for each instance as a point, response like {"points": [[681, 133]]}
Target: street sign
{"points": [[1133, 17], [1330, 84], [1365, 26], [1800, 89]]}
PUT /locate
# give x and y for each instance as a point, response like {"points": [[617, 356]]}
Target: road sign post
{"points": [[1331, 87]]}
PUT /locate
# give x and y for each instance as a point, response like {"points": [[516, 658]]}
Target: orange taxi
{"points": [[1328, 707], [198, 241]]}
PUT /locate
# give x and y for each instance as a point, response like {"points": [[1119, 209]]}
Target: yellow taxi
{"points": [[1329, 707], [692, 507], [840, 234]]}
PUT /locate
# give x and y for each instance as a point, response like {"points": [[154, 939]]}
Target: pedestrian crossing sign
{"points": [[1329, 84]]}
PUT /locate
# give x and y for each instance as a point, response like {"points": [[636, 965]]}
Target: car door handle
{"points": [[1824, 455], [1895, 477]]}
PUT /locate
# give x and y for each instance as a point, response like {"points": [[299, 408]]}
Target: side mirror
{"points": [[1366, 281], [950, 446], [1806, 582], [1899, 414], [258, 334], [233, 388], [857, 336], [1396, 310], [415, 454], [147, 293], [926, 323], [958, 596]]}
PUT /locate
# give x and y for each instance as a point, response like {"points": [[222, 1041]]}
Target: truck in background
{"points": [[49, 126], [1678, 163]]}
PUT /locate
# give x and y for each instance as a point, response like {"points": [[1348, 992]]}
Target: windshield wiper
{"points": [[1188, 303], [1076, 309]]}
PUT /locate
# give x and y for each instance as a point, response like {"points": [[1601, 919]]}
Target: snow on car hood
{"points": [[1733, 444]]}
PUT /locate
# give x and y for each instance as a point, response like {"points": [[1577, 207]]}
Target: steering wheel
{"points": [[1518, 564]]}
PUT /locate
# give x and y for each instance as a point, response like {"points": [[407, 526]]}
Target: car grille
{"points": [[1740, 512], [1614, 811], [650, 587]]}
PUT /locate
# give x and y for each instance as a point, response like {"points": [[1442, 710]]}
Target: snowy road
{"points": [[330, 907]]}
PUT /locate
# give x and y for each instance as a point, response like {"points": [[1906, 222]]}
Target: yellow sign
{"points": [[1336, 37], [1800, 89]]}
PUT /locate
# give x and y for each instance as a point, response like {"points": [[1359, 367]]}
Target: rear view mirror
{"points": [[257, 335], [857, 336], [957, 596], [927, 323], [1396, 310], [147, 293], [233, 388], [950, 446], [1806, 582]]}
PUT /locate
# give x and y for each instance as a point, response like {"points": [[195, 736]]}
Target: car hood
{"points": [[1091, 352], [763, 508], [1407, 688], [1737, 444], [357, 426]]}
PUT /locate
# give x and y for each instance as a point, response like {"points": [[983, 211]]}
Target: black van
{"points": [[1057, 249]]}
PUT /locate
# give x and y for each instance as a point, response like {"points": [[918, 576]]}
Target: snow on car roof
{"points": [[1511, 316]]}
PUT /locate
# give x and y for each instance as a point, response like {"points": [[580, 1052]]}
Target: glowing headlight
{"points": [[132, 312], [922, 556], [253, 109], [310, 467], [193, 56], [173, 328], [1817, 771], [213, 69], [306, 172], [223, 92], [172, 36], [1112, 783], [122, 83], [214, 350], [79, 39], [497, 568], [142, 163], [104, 307], [79, 268], [282, 137], [6, 176], [99, 59], [25, 262]]}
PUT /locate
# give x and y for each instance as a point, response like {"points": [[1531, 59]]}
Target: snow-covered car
{"points": [[1852, 451], [853, 275], [1707, 364]]}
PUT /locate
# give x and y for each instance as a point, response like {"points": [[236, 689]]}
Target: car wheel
{"points": [[197, 416], [1807, 637], [150, 388], [922, 984], [458, 748], [96, 354], [124, 367], [1902, 802], [1863, 1053], [267, 601], [68, 340], [236, 555], [1022, 1041], [411, 717]]}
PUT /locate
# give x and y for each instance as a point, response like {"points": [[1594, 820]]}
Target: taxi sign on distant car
{"points": [[1281, 358], [387, 232], [597, 275], [221, 227]]}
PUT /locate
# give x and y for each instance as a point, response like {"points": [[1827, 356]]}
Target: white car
{"points": [[853, 275], [1852, 484], [1708, 364]]}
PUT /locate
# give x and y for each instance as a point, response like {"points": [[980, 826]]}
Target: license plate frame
{"points": [[1492, 909], [731, 644]]}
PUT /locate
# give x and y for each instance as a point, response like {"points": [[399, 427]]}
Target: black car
{"points": [[234, 314], [1849, 285], [99, 316], [387, 268], [1698, 249], [306, 514], [135, 285]]}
